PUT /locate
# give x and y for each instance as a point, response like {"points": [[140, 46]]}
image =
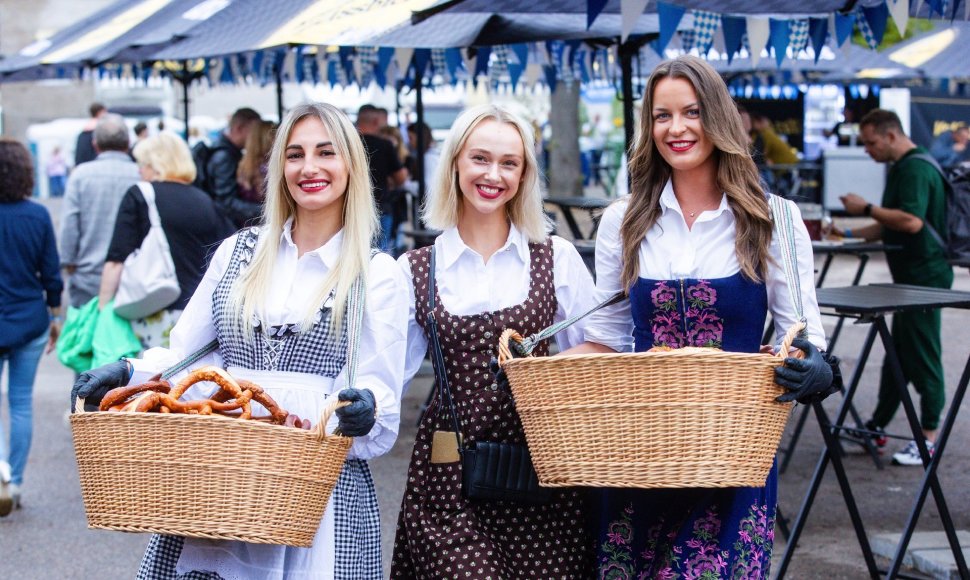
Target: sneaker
{"points": [[6, 499], [877, 437], [910, 454]]}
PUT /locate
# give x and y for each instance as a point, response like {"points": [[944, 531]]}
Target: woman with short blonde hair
{"points": [[168, 157]]}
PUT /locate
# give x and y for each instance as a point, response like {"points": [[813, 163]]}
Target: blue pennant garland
{"points": [[669, 15], [734, 29], [818, 30], [873, 18], [780, 34]]}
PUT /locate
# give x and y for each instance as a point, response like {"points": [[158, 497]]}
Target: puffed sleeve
{"points": [[611, 326], [195, 327], [780, 299], [383, 343], [417, 342], [575, 291]]}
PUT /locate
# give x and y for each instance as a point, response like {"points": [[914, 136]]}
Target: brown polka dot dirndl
{"points": [[440, 534]]}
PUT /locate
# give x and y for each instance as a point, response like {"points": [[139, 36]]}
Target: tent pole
{"points": [[279, 93], [420, 145], [186, 80]]}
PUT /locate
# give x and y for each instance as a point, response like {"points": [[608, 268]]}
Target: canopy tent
{"points": [[939, 54]]}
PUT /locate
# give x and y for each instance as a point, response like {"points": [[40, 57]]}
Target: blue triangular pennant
{"points": [[818, 30], [481, 61], [550, 72], [779, 39], [593, 9], [420, 60], [843, 27], [938, 6], [669, 15], [734, 28], [384, 56], [877, 16]]}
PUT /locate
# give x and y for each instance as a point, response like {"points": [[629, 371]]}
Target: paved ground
{"points": [[49, 538]]}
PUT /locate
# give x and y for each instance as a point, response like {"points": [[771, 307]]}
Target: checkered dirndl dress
{"points": [[440, 534], [355, 543]]}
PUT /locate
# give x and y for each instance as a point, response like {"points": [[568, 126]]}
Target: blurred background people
{"points": [[190, 219], [251, 174], [56, 170], [84, 149], [216, 167], [386, 168], [94, 191], [950, 148], [30, 307]]}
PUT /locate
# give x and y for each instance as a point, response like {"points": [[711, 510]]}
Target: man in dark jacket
{"points": [[386, 169], [84, 149], [219, 176]]}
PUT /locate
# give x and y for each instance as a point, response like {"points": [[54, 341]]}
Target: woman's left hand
{"points": [[357, 418], [52, 339], [805, 378]]}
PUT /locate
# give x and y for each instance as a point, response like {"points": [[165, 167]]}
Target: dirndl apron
{"points": [[298, 371]]}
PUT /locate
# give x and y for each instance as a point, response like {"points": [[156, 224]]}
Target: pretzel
{"points": [[121, 395], [278, 414]]}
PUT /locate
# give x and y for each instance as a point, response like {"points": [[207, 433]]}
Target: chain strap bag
{"points": [[491, 470], [148, 281]]}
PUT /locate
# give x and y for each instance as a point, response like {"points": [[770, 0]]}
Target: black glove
{"points": [[807, 378], [93, 384], [357, 418]]}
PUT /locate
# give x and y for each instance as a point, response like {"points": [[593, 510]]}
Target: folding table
{"points": [[871, 304], [593, 205]]}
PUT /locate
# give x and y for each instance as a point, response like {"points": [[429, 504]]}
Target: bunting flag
{"points": [[798, 36], [593, 9], [687, 38], [734, 28], [843, 27], [499, 67], [780, 35], [758, 32], [818, 30], [518, 59], [453, 63], [438, 64], [938, 6], [385, 55], [875, 19], [420, 60], [630, 11], [899, 9], [669, 16], [868, 34], [481, 62], [705, 26]]}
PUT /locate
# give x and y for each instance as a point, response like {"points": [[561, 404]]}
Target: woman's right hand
{"points": [[92, 385]]}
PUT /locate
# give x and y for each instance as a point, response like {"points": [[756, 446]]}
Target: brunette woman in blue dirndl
{"points": [[693, 247]]}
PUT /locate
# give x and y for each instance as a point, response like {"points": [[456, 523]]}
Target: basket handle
{"points": [[318, 430], [793, 332], [504, 340]]}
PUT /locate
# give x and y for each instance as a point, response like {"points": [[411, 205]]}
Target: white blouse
{"points": [[671, 251], [467, 285], [295, 283]]}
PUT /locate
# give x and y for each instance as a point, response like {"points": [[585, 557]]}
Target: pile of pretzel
{"points": [[234, 398]]}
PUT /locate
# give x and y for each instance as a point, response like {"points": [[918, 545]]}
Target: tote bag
{"points": [[148, 282]]}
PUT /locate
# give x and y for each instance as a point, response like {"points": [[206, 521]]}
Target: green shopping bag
{"points": [[74, 343], [113, 338]]}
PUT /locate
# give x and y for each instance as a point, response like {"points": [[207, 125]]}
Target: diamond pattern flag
{"points": [[868, 34], [705, 26], [687, 38], [875, 17], [798, 35]]}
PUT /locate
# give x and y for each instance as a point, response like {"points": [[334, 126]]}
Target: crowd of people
{"points": [[271, 227]]}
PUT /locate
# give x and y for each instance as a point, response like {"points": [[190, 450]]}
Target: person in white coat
{"points": [[275, 297]]}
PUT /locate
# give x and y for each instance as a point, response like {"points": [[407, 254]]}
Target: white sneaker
{"points": [[6, 499], [910, 454]]}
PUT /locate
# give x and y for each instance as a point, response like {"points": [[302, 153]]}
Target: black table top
{"points": [[580, 202], [886, 298], [826, 247]]}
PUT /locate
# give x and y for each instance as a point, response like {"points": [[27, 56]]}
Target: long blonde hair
{"points": [[737, 175], [359, 221], [443, 207]]}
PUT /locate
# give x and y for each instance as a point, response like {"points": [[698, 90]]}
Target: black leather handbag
{"points": [[490, 470]]}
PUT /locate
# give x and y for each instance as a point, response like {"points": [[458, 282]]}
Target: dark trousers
{"points": [[916, 336]]}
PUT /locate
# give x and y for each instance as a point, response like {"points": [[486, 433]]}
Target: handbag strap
{"points": [[148, 192], [528, 344], [437, 356], [783, 222]]}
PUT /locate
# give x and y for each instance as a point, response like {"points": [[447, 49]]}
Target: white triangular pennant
{"points": [[899, 9], [758, 32], [403, 57], [630, 11], [533, 72]]}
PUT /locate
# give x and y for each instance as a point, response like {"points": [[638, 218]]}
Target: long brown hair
{"points": [[259, 143], [737, 175]]}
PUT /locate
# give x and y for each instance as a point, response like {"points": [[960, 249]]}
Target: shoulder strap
{"points": [[437, 356], [148, 192], [781, 217], [946, 190]]}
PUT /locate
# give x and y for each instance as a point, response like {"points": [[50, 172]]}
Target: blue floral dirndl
{"points": [[690, 533]]}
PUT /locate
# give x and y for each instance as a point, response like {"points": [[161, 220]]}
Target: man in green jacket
{"points": [[914, 197]]}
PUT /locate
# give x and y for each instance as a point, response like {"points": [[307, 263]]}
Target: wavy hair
{"points": [[444, 205], [16, 171], [737, 174], [168, 156], [359, 221]]}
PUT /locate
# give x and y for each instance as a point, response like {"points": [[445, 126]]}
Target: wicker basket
{"points": [[206, 476], [682, 418]]}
